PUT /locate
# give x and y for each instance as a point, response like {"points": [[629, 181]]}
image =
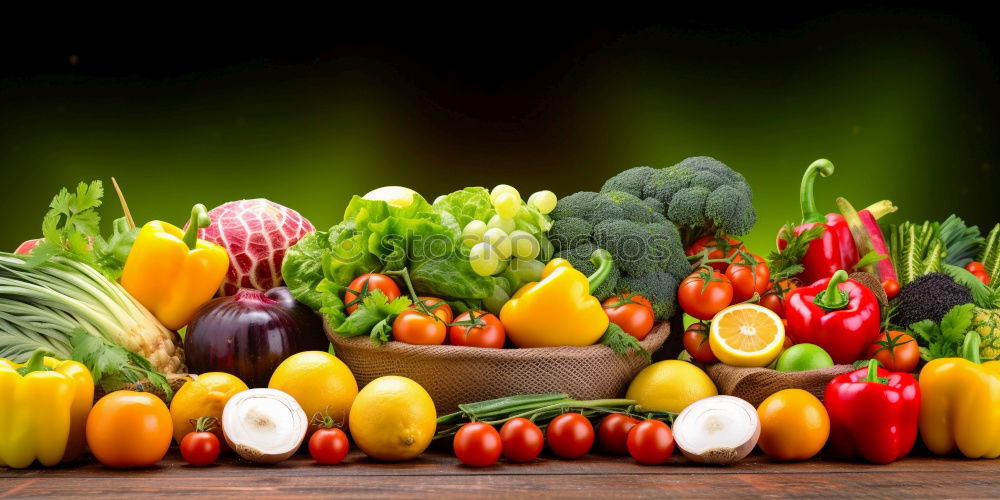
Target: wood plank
{"points": [[440, 474]]}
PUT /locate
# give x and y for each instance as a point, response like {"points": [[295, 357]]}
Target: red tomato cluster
{"points": [[727, 277], [434, 322], [570, 435]]}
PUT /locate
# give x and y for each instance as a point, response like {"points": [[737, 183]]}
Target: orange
{"points": [[746, 335], [794, 425], [129, 429]]}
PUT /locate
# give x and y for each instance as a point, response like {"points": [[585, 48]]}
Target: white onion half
{"points": [[264, 426], [717, 430]]}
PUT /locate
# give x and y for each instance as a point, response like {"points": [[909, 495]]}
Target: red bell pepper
{"points": [[838, 314], [835, 249], [873, 414]]}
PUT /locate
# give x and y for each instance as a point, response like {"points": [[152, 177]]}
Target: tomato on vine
{"points": [[696, 343], [632, 312], [896, 351], [704, 293], [477, 329], [414, 326], [364, 285], [774, 297], [715, 248], [328, 445], [748, 279], [201, 447]]}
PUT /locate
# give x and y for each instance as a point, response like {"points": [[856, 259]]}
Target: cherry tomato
{"points": [[982, 276], [651, 442], [719, 247], [696, 343], [748, 279], [891, 288], [477, 444], [974, 266], [442, 311], [774, 297], [570, 435], [127, 430], [522, 440], [632, 313], [897, 351], [612, 433], [365, 284], [415, 327], [329, 446], [483, 330], [704, 293], [200, 448]]}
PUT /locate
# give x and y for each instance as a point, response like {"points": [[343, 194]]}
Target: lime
{"points": [[803, 357]]}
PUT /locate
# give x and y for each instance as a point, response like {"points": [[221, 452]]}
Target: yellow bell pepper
{"points": [[960, 404], [559, 310], [172, 272], [44, 405]]}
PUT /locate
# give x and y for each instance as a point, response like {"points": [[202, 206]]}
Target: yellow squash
{"points": [[172, 272], [960, 404], [559, 310], [44, 405]]}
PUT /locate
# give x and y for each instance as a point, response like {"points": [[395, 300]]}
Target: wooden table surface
{"points": [[438, 473]]}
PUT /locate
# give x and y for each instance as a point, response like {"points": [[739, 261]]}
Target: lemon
{"points": [[746, 335], [205, 396], [670, 386], [393, 419], [396, 196], [319, 382]]}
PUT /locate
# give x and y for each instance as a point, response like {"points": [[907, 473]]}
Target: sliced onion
{"points": [[717, 430], [264, 425]]}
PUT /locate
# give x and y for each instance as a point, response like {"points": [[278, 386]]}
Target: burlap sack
{"points": [[454, 375], [754, 385]]}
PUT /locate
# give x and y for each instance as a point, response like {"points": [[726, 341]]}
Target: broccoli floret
{"points": [[701, 195], [579, 257], [727, 206], [589, 206], [656, 205], [659, 287], [629, 243], [667, 249], [632, 181], [569, 232], [634, 208], [687, 207]]}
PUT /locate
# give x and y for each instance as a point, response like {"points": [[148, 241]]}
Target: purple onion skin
{"points": [[250, 333]]}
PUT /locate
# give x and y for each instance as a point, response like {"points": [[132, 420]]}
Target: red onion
{"points": [[250, 333]]}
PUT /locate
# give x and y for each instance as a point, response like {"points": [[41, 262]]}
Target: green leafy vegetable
{"points": [[376, 307], [71, 228], [916, 250], [962, 243], [984, 296], [113, 366], [869, 259], [943, 340], [990, 255], [621, 342], [787, 262]]}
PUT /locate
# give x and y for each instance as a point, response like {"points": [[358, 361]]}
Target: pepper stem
{"points": [[833, 298], [601, 259], [873, 372], [807, 195], [970, 347], [199, 219], [36, 363], [880, 209]]}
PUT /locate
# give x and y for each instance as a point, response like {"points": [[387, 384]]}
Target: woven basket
{"points": [[754, 385], [454, 375]]}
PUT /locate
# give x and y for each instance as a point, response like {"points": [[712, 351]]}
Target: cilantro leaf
{"points": [[621, 342], [113, 366], [373, 309]]}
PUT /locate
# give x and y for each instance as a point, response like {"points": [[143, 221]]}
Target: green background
{"points": [[904, 103]]}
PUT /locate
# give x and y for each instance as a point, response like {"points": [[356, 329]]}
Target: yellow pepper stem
{"points": [[36, 363], [199, 219]]}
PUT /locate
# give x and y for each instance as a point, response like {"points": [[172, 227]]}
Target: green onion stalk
{"points": [[42, 305], [540, 409]]}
